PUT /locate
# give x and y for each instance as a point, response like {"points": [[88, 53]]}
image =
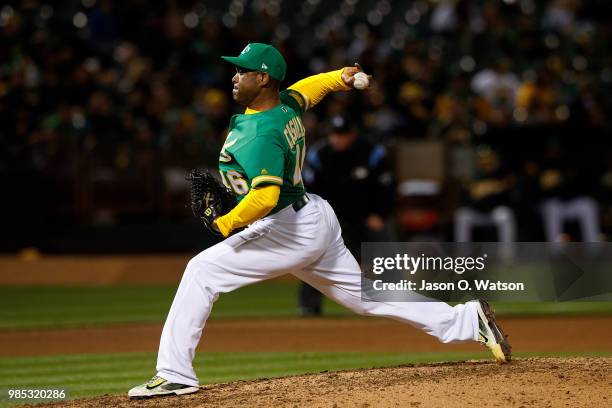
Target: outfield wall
{"points": [[98, 270], [32, 268]]}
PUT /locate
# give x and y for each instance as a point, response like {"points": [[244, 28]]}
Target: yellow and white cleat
{"points": [[490, 334], [158, 386]]}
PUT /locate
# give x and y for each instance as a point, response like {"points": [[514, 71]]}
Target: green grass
{"points": [[554, 309], [96, 374], [39, 307], [28, 307]]}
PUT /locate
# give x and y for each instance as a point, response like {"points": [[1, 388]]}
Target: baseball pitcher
{"points": [[287, 230]]}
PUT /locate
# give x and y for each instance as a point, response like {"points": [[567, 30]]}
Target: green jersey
{"points": [[266, 148]]}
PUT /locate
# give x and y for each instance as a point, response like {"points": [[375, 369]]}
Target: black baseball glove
{"points": [[209, 198]]}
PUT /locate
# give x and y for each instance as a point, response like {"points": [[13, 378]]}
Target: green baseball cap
{"points": [[261, 57]]}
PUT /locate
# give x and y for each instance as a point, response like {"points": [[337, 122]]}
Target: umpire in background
{"points": [[356, 177]]}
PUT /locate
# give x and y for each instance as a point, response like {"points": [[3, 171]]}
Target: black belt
{"points": [[299, 204]]}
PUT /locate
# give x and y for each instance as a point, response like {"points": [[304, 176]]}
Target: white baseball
{"points": [[361, 81]]}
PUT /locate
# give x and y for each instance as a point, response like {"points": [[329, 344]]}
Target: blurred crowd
{"points": [[104, 104]]}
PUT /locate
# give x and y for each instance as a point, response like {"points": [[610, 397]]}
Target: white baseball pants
{"points": [[307, 244]]}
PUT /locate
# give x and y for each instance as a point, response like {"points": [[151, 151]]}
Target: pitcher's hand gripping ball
{"points": [[209, 198], [356, 78]]}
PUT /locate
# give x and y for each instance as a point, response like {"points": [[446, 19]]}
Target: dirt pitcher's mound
{"points": [[531, 382]]}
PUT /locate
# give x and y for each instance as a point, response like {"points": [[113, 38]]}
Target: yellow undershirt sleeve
{"points": [[315, 87], [255, 205]]}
